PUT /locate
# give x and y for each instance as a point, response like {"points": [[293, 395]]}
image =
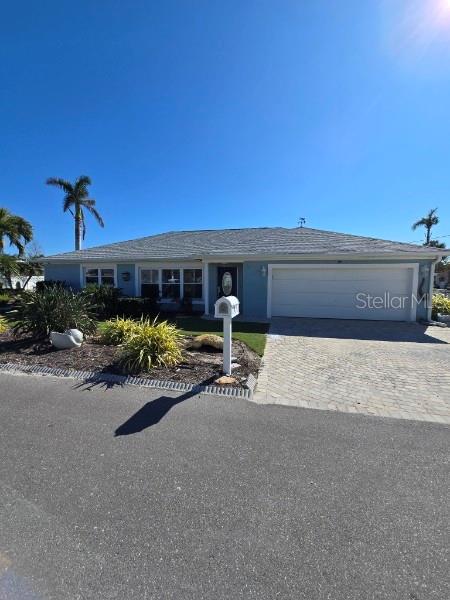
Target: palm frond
{"points": [[68, 201], [419, 223], [81, 186], [23, 228], [96, 214], [65, 185], [76, 198], [84, 180], [8, 265]]}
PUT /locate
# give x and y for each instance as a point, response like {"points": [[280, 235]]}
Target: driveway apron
{"points": [[372, 367]]}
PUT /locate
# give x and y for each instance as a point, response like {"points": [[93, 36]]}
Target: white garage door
{"points": [[343, 292]]}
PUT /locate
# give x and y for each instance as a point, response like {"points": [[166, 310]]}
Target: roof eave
{"points": [[410, 254]]}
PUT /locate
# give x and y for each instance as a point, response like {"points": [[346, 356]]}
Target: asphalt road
{"points": [[127, 494]]}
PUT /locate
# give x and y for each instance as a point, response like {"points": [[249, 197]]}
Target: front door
{"points": [[226, 281]]}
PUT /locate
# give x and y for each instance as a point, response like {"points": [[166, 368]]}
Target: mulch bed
{"points": [[198, 366]]}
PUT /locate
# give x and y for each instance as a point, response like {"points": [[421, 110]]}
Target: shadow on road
{"points": [[151, 413], [99, 381], [348, 329]]}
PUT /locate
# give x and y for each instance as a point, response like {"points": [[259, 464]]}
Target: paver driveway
{"points": [[380, 368]]}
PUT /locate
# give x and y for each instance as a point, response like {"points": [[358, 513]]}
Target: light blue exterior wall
{"points": [[255, 285], [252, 285], [255, 289], [128, 287], [213, 283], [212, 296], [70, 273]]}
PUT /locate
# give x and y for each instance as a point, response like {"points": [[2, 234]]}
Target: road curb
{"points": [[112, 378]]}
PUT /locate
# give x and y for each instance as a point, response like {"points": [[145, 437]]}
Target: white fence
{"points": [[19, 282]]}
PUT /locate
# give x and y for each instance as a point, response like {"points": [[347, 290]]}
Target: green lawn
{"points": [[252, 334]]}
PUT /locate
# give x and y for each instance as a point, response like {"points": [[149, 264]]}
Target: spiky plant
{"points": [[152, 344], [54, 309], [115, 331], [4, 325]]}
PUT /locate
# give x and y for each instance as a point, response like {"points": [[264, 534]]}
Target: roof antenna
{"points": [[301, 221]]}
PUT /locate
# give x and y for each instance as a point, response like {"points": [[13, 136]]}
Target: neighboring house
{"points": [[442, 280], [22, 283], [274, 271]]}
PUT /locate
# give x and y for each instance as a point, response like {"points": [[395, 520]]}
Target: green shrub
{"points": [[50, 283], [137, 307], [4, 299], [104, 299], [116, 330], [4, 325], [441, 305], [54, 309], [152, 344]]}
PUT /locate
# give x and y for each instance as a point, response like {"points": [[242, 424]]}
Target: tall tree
{"points": [[76, 201], [428, 222], [17, 230], [30, 265], [436, 244], [9, 267]]}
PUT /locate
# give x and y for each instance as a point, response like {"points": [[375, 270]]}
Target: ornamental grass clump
{"points": [[441, 305], [54, 309], [4, 325], [104, 298], [152, 344], [115, 331]]}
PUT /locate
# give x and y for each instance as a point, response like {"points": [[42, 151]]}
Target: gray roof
{"points": [[270, 241]]}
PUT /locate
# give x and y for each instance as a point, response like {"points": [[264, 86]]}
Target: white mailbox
{"points": [[226, 306]]}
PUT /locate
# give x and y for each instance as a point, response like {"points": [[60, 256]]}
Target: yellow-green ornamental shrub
{"points": [[4, 325], [116, 330], [441, 305], [151, 344]]}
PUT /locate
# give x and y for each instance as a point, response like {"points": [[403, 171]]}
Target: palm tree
{"points": [[436, 244], [76, 199], [428, 222], [9, 267], [17, 230]]}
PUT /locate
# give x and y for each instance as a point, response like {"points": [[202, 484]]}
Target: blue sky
{"points": [[208, 114]]}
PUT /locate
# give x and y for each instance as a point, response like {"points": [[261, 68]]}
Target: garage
{"points": [[370, 291]]}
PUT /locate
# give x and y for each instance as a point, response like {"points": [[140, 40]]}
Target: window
{"points": [[107, 277], [171, 284], [171, 288], [193, 283], [150, 283], [91, 276], [99, 276]]}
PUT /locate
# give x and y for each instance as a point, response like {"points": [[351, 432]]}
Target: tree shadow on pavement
{"points": [[349, 329], [99, 381]]}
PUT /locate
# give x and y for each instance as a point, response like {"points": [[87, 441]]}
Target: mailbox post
{"points": [[226, 308]]}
